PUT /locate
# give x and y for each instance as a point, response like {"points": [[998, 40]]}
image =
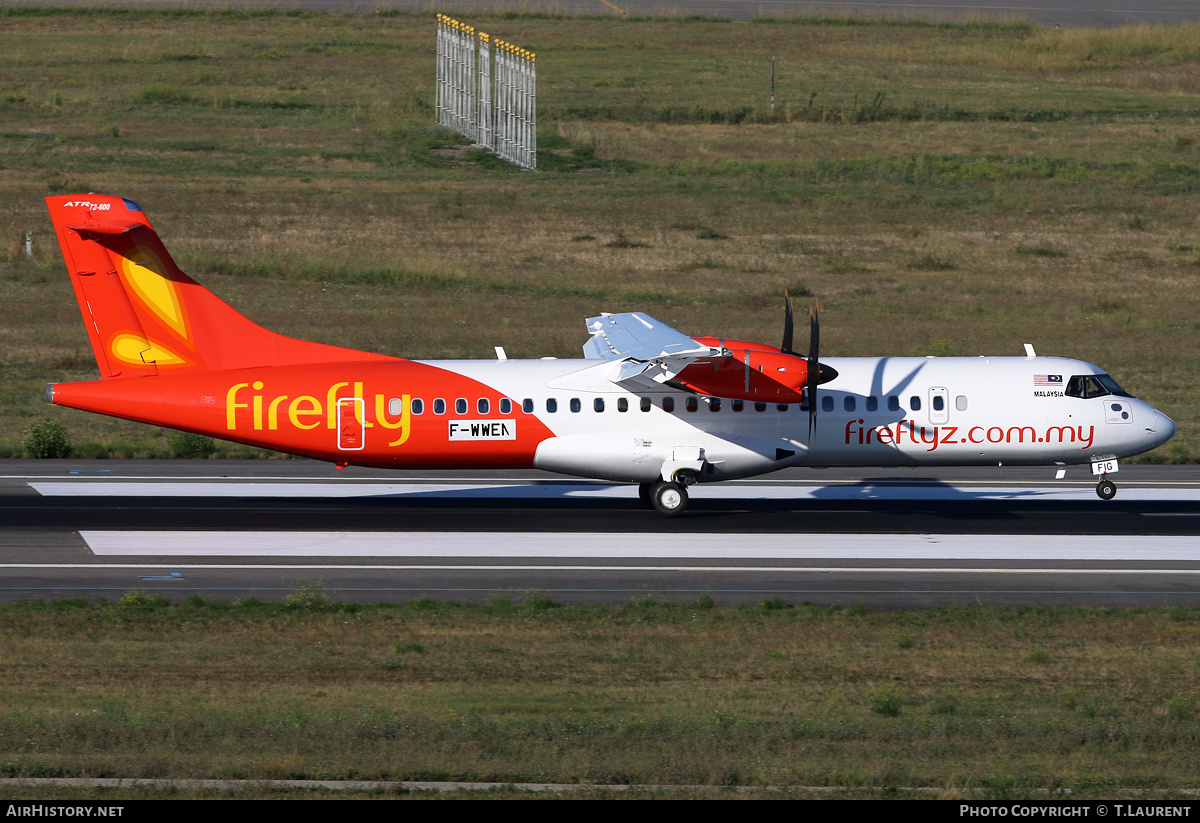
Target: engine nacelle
{"points": [[752, 371]]}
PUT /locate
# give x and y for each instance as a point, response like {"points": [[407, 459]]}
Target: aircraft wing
{"points": [[638, 336], [647, 352]]}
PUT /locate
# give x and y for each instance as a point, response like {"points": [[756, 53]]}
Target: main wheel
{"points": [[646, 494], [1106, 489], [669, 499]]}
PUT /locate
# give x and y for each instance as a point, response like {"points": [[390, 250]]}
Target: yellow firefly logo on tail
{"points": [[144, 272]]}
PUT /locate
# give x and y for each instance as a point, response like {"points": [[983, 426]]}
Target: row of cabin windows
{"points": [[1078, 386], [871, 403], [505, 406], [691, 403]]}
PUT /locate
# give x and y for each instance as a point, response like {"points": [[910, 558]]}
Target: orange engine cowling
{"points": [[752, 371]]}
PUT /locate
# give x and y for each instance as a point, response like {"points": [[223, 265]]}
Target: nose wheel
{"points": [[1106, 489]]}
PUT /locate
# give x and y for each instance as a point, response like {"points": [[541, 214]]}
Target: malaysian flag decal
{"points": [[1047, 380]]}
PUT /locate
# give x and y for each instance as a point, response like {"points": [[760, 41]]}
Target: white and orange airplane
{"points": [[646, 405]]}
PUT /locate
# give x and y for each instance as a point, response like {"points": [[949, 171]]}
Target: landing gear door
{"points": [[351, 412], [939, 405]]}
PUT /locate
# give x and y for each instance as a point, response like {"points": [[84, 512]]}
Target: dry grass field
{"points": [[940, 188], [965, 702]]}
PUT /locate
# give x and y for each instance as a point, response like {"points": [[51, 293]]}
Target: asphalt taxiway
{"points": [[894, 539]]}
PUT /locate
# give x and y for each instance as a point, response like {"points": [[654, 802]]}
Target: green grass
{"points": [[988, 184], [977, 702]]}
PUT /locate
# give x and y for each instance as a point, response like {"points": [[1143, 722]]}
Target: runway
{"points": [[905, 538]]}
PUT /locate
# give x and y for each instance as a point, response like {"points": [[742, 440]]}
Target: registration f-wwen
{"points": [[646, 404], [483, 429]]}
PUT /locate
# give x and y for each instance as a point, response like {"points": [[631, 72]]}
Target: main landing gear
{"points": [[667, 497]]}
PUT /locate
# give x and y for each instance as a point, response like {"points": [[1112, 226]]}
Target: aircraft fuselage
{"points": [[567, 416]]}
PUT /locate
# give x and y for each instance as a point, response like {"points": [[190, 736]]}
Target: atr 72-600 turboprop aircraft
{"points": [[646, 405]]}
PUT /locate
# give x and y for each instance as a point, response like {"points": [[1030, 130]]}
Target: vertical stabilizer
{"points": [[143, 315]]}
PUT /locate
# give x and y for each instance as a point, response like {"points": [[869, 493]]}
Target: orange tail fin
{"points": [[143, 315]]}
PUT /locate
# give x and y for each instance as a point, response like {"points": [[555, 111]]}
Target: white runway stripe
{"points": [[806, 547], [557, 567]]}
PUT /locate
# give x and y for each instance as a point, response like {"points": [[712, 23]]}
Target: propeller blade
{"points": [[814, 367], [786, 347]]}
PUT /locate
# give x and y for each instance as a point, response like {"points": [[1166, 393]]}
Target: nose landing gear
{"points": [[1106, 489]]}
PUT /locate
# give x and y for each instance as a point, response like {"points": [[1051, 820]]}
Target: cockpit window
{"points": [[1094, 385]]}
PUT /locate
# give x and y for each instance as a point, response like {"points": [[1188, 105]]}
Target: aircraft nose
{"points": [[1164, 428]]}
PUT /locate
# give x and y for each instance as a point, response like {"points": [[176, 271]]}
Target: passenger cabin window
{"points": [[551, 405], [622, 404], [598, 404], [714, 404], [738, 405], [527, 405], [848, 403], [646, 404], [505, 406], [668, 404], [939, 403], [893, 403], [760, 407], [460, 405], [827, 403], [439, 406], [960, 402], [575, 404], [872, 403], [914, 403], [482, 405], [418, 406], [692, 403]]}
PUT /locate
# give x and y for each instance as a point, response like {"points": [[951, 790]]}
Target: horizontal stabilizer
{"points": [[103, 227]]}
